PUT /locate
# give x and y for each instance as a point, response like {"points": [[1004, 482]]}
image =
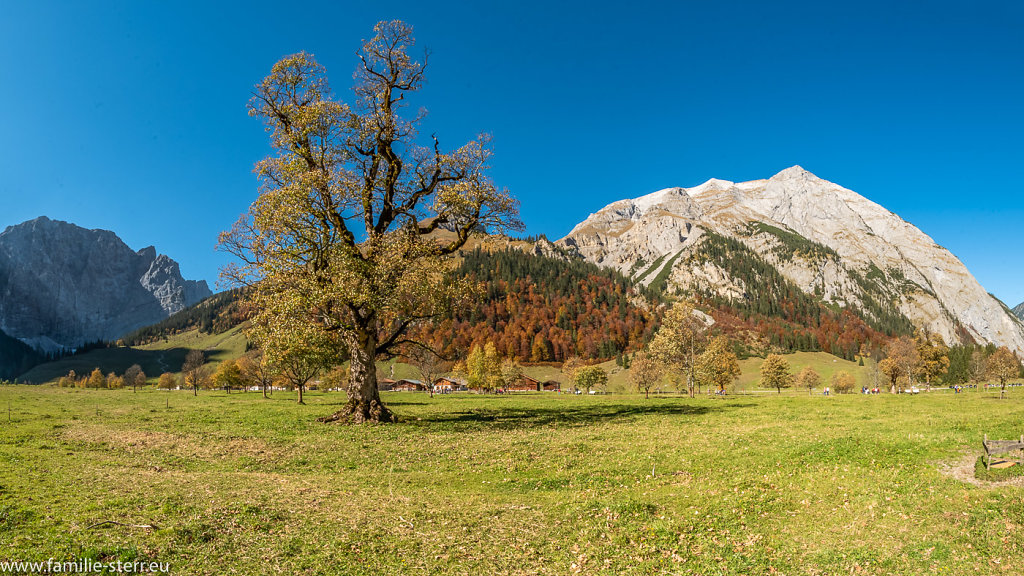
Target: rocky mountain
{"points": [[62, 285], [830, 242], [1018, 310]]}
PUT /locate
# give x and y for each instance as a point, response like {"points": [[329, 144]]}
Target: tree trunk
{"points": [[364, 403], [300, 394], [264, 389]]}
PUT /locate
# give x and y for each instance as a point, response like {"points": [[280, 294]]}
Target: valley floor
{"points": [[530, 484]]}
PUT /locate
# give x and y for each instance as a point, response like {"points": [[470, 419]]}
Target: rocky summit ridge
{"points": [[829, 241], [62, 285]]}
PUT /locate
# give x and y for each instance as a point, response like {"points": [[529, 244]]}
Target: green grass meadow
{"points": [[512, 484]]}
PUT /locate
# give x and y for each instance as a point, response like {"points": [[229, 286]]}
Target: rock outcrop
{"points": [[826, 239], [62, 285]]}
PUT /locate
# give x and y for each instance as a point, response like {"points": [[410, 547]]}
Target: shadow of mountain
{"points": [[117, 360]]}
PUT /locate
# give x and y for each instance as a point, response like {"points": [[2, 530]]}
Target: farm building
{"points": [[406, 385], [529, 384], [445, 385], [551, 386], [385, 383]]}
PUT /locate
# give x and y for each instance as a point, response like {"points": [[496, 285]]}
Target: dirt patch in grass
{"points": [[134, 441], [963, 470]]}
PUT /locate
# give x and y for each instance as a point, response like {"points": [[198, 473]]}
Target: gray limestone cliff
{"points": [[62, 285], [826, 239]]}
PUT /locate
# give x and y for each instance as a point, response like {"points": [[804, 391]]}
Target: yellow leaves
{"points": [[679, 337], [332, 243], [775, 372], [718, 364], [808, 378]]}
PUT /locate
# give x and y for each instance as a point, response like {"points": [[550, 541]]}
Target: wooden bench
{"points": [[993, 447]]}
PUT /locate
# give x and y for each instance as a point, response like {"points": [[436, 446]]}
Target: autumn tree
{"points": [[194, 371], [482, 368], [97, 379], [228, 376], [511, 373], [590, 377], [717, 364], [166, 381], [891, 368], [335, 379], [934, 358], [808, 378], [430, 365], [134, 377], [67, 381], [978, 366], [356, 221], [678, 342], [843, 382], [645, 372], [570, 366], [1003, 365], [114, 382], [256, 370], [775, 373], [902, 361], [300, 355]]}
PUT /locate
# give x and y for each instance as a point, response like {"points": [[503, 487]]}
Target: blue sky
{"points": [[131, 116]]}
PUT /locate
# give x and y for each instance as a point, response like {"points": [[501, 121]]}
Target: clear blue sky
{"points": [[131, 115]]}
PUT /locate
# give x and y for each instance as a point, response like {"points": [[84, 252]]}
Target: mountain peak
{"points": [[842, 238], [795, 172], [711, 184], [69, 285]]}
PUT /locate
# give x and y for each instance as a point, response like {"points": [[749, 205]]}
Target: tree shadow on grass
{"points": [[514, 417]]}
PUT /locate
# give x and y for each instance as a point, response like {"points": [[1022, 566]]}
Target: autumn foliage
{"points": [[537, 308]]}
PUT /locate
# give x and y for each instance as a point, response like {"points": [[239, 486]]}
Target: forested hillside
{"points": [[776, 309], [218, 313], [16, 357], [539, 308]]}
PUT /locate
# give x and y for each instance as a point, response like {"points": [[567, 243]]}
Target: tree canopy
{"points": [[678, 342], [356, 213], [775, 373]]}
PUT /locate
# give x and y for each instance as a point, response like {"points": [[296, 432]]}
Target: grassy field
{"points": [[823, 363], [521, 484]]}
